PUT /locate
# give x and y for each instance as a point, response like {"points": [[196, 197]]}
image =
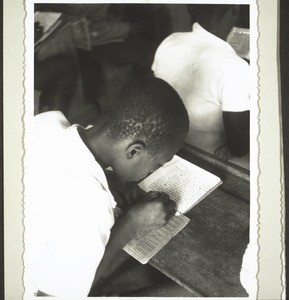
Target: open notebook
{"points": [[186, 184]]}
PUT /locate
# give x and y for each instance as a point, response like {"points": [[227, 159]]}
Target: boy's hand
{"points": [[141, 218], [223, 152], [152, 213]]}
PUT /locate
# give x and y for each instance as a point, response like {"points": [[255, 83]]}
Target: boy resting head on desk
{"points": [[73, 240]]}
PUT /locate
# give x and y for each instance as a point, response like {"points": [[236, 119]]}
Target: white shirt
{"points": [[70, 211], [248, 273], [209, 77]]}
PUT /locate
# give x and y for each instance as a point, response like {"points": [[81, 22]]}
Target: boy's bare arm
{"points": [[237, 129], [140, 219]]}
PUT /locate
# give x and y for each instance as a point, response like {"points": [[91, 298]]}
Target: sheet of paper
{"points": [[47, 19], [144, 248], [183, 181]]}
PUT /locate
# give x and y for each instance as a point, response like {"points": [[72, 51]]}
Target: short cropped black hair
{"points": [[149, 110]]}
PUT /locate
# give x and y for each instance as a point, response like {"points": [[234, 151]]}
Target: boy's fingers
{"points": [[170, 207], [172, 204], [153, 194], [170, 214], [166, 197]]}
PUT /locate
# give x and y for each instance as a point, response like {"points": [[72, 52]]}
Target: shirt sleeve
{"points": [[249, 269], [235, 91], [76, 239]]}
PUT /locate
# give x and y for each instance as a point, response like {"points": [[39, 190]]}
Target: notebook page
{"points": [[183, 181], [144, 248]]}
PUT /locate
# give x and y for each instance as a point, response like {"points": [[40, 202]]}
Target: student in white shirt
{"points": [[213, 82], [72, 239], [211, 79]]}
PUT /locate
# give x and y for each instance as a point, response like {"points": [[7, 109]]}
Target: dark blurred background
{"points": [[126, 38]]}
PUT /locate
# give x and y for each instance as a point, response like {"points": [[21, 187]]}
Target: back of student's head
{"points": [[149, 110]]}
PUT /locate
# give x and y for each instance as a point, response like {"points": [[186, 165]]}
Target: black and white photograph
{"points": [[140, 159], [143, 149]]}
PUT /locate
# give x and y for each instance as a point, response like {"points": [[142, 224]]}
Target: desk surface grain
{"points": [[206, 256]]}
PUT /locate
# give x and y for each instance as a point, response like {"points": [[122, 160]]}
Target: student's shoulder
{"points": [[50, 120], [227, 61], [175, 39], [228, 54], [235, 64]]}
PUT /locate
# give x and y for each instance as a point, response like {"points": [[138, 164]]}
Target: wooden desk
{"points": [[206, 256]]}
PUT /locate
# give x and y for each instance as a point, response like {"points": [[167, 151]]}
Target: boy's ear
{"points": [[134, 150]]}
